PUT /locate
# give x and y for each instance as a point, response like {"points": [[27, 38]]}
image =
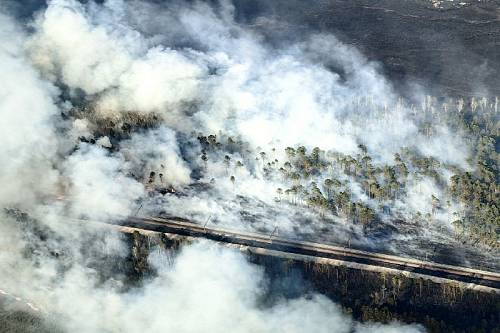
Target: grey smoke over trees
{"points": [[109, 108]]}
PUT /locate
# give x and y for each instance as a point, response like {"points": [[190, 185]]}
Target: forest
{"points": [[357, 188]]}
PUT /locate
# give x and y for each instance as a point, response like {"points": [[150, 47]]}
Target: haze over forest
{"points": [[247, 116]]}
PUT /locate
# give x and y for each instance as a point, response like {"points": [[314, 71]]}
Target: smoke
{"points": [[204, 72], [234, 82], [195, 71], [29, 144], [163, 155], [205, 288], [99, 190], [102, 104]]}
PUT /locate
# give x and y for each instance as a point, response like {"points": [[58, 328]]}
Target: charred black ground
{"points": [[449, 49]]}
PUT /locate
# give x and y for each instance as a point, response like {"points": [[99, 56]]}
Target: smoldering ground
{"points": [[100, 98]]}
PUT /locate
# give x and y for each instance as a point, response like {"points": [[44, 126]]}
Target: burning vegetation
{"points": [[119, 108]]}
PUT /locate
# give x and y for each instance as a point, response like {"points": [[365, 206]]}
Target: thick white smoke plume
{"points": [[234, 82], [98, 188], [27, 107], [199, 71], [178, 70]]}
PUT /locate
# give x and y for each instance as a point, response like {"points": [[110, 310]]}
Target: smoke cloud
{"points": [[104, 107], [29, 144]]}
